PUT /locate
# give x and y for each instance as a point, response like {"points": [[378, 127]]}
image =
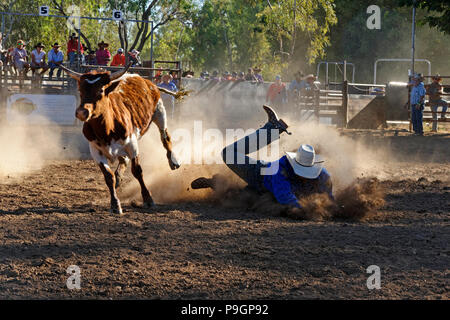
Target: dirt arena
{"points": [[58, 216]]}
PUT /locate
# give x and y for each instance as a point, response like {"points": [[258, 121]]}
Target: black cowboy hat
{"points": [[103, 43], [40, 45], [73, 35], [56, 44]]}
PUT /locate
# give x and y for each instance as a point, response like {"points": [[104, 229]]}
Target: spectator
{"points": [[250, 75], [20, 58], [91, 58], [134, 58], [204, 75], [226, 76], [118, 59], [168, 100], [55, 58], [38, 59], [276, 95], [215, 75], [2, 52], [234, 76], [72, 48], [241, 76], [158, 75], [298, 83], [417, 104], [103, 55], [258, 75], [309, 82], [435, 91]]}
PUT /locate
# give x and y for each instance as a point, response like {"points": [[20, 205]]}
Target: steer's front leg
{"points": [[110, 180]]}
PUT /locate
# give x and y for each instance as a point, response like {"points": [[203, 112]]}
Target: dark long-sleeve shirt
{"points": [[288, 188]]}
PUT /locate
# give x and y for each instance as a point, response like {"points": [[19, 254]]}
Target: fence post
{"points": [[344, 104], [317, 104]]}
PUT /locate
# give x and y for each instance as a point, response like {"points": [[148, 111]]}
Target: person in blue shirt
{"points": [[417, 100], [293, 176], [168, 100]]}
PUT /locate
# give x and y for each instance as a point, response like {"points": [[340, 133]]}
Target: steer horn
{"points": [[118, 74], [72, 74]]}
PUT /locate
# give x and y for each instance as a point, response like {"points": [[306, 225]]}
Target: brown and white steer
{"points": [[117, 110]]}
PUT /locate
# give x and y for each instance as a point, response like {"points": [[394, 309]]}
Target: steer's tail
{"points": [[178, 95]]}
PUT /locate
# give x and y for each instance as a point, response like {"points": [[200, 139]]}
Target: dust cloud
{"points": [[26, 147], [346, 160]]}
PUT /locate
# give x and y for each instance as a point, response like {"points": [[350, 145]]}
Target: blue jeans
{"points": [[434, 106], [247, 168], [54, 66], [417, 118]]}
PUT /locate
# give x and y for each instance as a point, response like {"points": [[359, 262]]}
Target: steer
{"points": [[117, 110]]}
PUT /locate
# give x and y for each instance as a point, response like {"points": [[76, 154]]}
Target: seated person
{"points": [[38, 59], [91, 58], [20, 58], [134, 58], [435, 91], [55, 58], [118, 59]]}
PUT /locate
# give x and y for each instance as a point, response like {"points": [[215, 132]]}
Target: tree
{"points": [[438, 12]]}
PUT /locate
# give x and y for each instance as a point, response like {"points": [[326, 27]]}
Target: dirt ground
{"points": [[58, 216]]}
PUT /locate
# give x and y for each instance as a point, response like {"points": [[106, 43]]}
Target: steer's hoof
{"points": [[116, 210], [173, 161]]}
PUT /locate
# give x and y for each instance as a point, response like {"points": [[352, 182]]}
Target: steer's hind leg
{"points": [[160, 120], [123, 161], [136, 169]]}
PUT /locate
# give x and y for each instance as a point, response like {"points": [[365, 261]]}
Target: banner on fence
{"points": [[32, 108]]}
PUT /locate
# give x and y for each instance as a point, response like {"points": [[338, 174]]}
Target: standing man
{"points": [[55, 58], [168, 100], [435, 91], [417, 104], [118, 59], [103, 55], [276, 95], [72, 48]]}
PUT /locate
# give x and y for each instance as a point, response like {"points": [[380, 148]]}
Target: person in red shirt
{"points": [[277, 95], [72, 48], [118, 59], [103, 55]]}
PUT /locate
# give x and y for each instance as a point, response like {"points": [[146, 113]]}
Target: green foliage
{"points": [[438, 12]]}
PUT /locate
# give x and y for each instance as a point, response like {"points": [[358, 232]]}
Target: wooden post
{"points": [[317, 104], [344, 104], [409, 107]]}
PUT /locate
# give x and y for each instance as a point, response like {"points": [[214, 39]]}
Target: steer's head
{"points": [[91, 86]]}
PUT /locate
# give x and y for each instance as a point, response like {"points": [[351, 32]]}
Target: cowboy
{"points": [[435, 90], [258, 76], [417, 100], [38, 59], [293, 176], [55, 58], [20, 58], [118, 59], [134, 58], [91, 59], [72, 48], [103, 55], [276, 94], [168, 100]]}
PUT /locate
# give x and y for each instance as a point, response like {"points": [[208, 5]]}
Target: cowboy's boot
{"points": [[275, 120]]}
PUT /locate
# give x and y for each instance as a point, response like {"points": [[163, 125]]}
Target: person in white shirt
{"points": [[38, 59]]}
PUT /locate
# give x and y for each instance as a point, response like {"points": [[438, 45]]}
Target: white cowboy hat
{"points": [[305, 162]]}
